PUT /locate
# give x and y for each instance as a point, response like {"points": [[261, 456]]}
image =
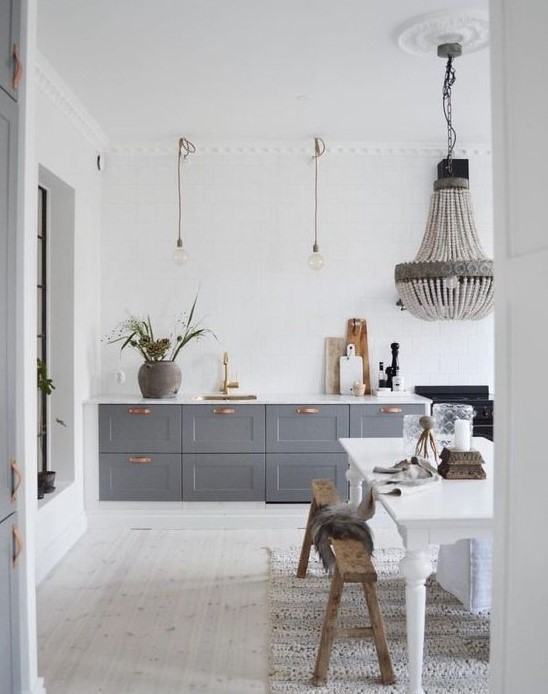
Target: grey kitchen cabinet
{"points": [[223, 452], [8, 202], [10, 12], [10, 545], [223, 476], [9, 618], [381, 420], [302, 445], [140, 453], [140, 428], [140, 477]]}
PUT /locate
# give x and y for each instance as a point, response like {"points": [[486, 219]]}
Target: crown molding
{"points": [[57, 90], [298, 149]]}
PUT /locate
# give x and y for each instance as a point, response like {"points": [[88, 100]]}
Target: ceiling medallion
{"points": [[422, 35]]}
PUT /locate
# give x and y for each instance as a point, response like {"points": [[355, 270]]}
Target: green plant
{"points": [[138, 333], [45, 384]]}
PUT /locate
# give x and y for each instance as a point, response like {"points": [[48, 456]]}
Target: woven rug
{"points": [[456, 650]]}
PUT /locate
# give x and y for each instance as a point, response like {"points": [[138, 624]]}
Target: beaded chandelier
{"points": [[451, 278]]}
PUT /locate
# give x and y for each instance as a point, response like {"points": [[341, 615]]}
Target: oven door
{"points": [[485, 430]]}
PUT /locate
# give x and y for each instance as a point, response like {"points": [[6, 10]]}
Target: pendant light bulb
{"points": [[316, 260], [180, 256]]}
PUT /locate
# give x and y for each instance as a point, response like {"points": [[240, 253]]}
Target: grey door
{"points": [[8, 199]]}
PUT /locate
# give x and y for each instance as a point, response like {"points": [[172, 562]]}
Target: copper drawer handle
{"points": [[18, 71], [17, 478], [140, 459], [18, 545], [139, 410], [307, 410], [391, 410], [224, 410]]}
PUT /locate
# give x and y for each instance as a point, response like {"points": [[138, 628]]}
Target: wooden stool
{"points": [[353, 565]]}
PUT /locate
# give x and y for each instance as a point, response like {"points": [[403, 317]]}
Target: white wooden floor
{"points": [[140, 611]]}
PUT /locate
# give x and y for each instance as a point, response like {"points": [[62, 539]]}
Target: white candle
{"points": [[462, 434]]}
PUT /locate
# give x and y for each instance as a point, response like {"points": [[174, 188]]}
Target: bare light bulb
{"points": [[452, 282], [180, 256], [316, 260]]}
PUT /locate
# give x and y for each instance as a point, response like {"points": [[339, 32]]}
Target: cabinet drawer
{"points": [[289, 475], [223, 428], [142, 477], [223, 477], [306, 428], [383, 420], [140, 428]]}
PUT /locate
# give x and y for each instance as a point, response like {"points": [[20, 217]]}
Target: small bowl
{"points": [[358, 389]]}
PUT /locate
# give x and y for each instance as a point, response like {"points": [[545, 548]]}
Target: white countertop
{"points": [[263, 399]]}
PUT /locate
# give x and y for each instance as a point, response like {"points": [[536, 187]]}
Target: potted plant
{"points": [[159, 376], [46, 477]]}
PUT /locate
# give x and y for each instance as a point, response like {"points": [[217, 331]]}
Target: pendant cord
{"points": [[188, 148], [319, 149], [447, 112]]}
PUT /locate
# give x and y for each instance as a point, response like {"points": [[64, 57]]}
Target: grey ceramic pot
{"points": [[159, 379]]}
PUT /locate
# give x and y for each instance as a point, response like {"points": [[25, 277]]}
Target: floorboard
{"points": [[140, 611]]}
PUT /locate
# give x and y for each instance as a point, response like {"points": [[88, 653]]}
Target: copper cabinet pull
{"points": [[16, 477], [307, 410], [18, 545], [18, 71], [139, 410], [391, 410], [224, 410], [140, 459]]}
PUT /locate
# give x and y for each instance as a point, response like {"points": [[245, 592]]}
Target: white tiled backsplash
{"points": [[248, 225]]}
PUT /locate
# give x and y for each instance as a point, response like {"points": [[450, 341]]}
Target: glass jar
{"points": [[411, 432], [445, 415]]}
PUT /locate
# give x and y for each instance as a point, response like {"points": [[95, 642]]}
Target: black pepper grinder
{"points": [[392, 370]]}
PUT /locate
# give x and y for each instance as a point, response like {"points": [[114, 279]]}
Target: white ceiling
{"points": [[260, 70]]}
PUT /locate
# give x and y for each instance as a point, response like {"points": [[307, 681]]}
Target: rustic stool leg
{"points": [[307, 541], [379, 636], [328, 629]]}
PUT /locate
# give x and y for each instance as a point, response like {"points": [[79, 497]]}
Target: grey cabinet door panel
{"points": [[8, 211], [382, 421], [223, 477], [140, 477], [10, 11], [223, 428], [140, 428], [306, 428], [289, 475], [9, 617]]}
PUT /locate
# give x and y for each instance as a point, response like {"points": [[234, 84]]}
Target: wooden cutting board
{"points": [[335, 348], [356, 334], [351, 370]]}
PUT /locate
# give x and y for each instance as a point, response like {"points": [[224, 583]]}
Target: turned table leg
{"points": [[415, 568]]}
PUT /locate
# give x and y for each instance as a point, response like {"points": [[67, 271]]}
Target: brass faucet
{"points": [[226, 383]]}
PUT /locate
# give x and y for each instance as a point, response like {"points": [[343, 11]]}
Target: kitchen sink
{"points": [[220, 396]]}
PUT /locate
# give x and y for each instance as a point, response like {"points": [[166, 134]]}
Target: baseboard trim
{"points": [[206, 516]]}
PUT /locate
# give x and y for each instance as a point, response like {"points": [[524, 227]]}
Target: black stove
{"points": [[477, 396]]}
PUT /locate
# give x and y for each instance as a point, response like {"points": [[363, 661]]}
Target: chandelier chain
{"points": [[448, 82]]}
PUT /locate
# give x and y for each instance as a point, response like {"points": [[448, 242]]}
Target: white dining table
{"points": [[447, 511]]}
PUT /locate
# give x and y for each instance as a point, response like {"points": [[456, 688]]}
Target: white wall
{"points": [[248, 224]]}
